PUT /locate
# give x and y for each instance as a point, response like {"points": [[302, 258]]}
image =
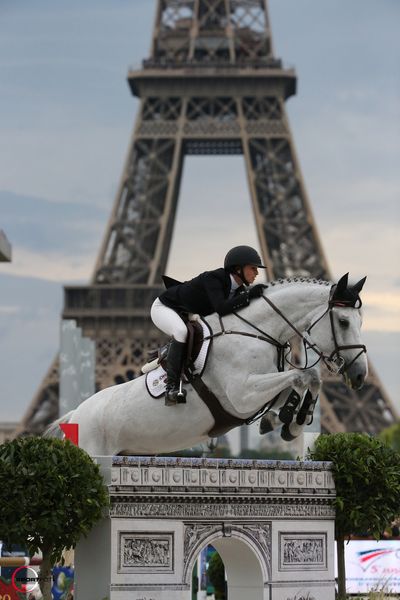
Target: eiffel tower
{"points": [[211, 86]]}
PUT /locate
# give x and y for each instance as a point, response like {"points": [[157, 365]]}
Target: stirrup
{"points": [[175, 396], [181, 395]]}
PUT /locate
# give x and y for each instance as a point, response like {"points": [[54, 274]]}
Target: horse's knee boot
{"points": [[286, 413], [306, 407]]}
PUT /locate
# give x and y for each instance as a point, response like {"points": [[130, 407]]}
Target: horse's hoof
{"points": [[286, 435], [265, 425]]}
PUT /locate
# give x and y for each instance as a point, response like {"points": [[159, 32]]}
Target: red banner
{"points": [[71, 432], [7, 591]]}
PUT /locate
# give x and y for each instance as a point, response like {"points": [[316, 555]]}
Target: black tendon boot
{"points": [[175, 358]]}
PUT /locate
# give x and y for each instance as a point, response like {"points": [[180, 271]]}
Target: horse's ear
{"points": [[357, 287], [343, 295], [342, 285]]}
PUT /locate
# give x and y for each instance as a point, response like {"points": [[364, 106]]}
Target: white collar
{"points": [[234, 283], [234, 286]]}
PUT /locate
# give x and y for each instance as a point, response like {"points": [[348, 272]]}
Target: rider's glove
{"points": [[256, 291]]}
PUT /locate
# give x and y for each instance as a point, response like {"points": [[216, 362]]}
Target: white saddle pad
{"points": [[157, 378]]}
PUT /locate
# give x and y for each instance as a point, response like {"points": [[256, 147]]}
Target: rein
{"points": [[341, 366], [264, 337], [334, 357]]}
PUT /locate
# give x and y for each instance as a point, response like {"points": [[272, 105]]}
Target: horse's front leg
{"points": [[258, 389], [305, 413], [269, 386], [309, 379]]}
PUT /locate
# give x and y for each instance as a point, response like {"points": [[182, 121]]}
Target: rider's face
{"points": [[250, 272]]}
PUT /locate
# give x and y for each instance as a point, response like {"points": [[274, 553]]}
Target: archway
{"points": [[271, 522], [243, 569], [247, 567]]}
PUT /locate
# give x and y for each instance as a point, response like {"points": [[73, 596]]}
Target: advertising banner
{"points": [[372, 565]]}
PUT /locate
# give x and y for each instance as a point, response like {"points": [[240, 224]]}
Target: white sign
{"points": [[372, 565]]}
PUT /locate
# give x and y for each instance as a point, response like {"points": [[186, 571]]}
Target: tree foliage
{"points": [[216, 574], [367, 480], [51, 493], [391, 436]]}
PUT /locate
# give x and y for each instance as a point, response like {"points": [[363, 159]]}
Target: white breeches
{"points": [[168, 321]]}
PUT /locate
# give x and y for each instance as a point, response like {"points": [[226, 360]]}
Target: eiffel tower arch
{"points": [[212, 85]]}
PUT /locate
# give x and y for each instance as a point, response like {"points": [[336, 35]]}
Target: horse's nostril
{"points": [[359, 380]]}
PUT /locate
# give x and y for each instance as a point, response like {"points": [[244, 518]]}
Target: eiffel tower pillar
{"points": [[212, 85]]}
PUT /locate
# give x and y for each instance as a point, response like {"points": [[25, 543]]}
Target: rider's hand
{"points": [[256, 291]]}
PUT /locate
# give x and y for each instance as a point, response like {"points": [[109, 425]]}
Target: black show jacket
{"points": [[205, 294]]}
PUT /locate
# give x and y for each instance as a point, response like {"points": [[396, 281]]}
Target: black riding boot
{"points": [[175, 358]]}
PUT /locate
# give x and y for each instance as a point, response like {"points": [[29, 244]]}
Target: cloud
{"points": [[381, 312], [383, 351], [369, 248], [84, 168], [51, 240], [9, 310], [69, 111], [55, 267], [29, 336], [365, 248], [69, 114]]}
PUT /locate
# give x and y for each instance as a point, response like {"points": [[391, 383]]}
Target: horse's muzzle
{"points": [[355, 376]]}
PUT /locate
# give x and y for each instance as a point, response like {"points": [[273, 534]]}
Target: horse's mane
{"points": [[289, 280]]}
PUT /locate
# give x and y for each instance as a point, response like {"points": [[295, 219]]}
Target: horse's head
{"points": [[338, 332]]}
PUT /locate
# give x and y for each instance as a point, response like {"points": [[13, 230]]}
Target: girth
{"points": [[224, 421]]}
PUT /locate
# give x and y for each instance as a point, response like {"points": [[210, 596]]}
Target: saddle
{"points": [[158, 356], [198, 344]]}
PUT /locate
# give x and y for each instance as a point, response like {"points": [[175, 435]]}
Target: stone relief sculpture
{"points": [[193, 534], [146, 550], [302, 596], [303, 550], [262, 534], [182, 510]]}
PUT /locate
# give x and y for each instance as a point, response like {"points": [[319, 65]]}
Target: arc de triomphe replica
{"points": [[272, 523]]}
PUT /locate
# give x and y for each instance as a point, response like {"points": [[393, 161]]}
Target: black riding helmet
{"points": [[239, 256]]}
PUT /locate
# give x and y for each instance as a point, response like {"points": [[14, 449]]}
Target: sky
{"points": [[66, 116]]}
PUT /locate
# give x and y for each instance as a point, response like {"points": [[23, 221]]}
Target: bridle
{"points": [[335, 356], [334, 361]]}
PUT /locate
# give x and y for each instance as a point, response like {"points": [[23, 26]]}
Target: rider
{"points": [[221, 290]]}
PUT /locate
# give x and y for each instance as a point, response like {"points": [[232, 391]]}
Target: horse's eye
{"points": [[344, 323]]}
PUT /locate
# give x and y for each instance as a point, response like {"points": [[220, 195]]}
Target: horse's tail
{"points": [[53, 430]]}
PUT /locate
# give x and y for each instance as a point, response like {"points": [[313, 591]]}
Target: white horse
{"points": [[241, 370]]}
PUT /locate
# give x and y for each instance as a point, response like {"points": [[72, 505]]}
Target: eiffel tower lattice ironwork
{"points": [[211, 86]]}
